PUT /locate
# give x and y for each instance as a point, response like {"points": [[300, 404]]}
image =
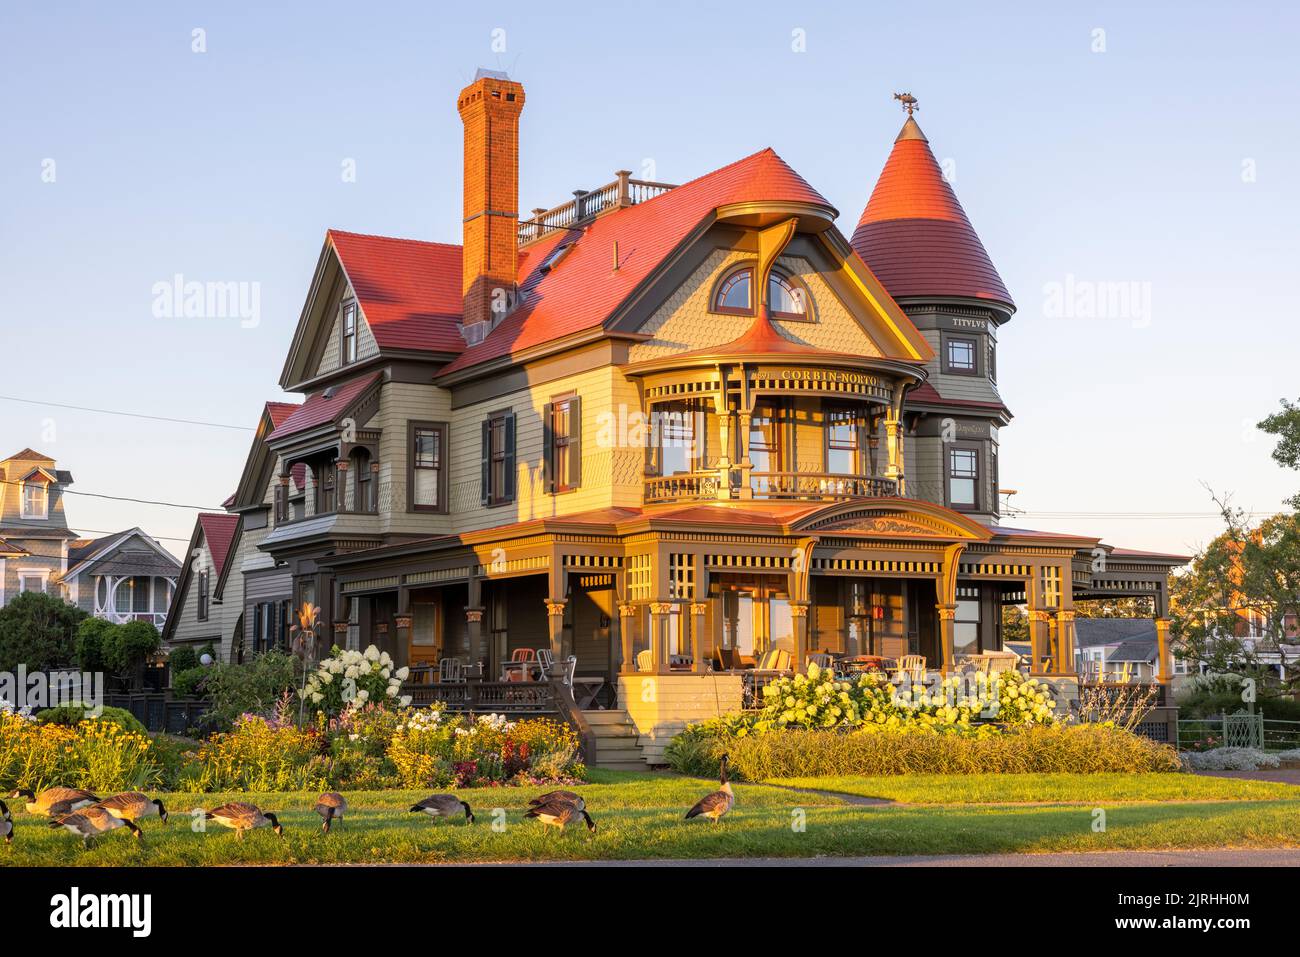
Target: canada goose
{"points": [[561, 814], [91, 822], [243, 817], [132, 806], [567, 797], [56, 801], [444, 805], [330, 806], [719, 802], [6, 823]]}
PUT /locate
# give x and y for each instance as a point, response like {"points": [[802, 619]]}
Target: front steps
{"points": [[617, 747]]}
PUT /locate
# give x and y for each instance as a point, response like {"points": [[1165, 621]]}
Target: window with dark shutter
{"points": [[562, 440], [499, 459]]}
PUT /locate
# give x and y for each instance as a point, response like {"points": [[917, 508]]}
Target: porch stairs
{"points": [[617, 744]]}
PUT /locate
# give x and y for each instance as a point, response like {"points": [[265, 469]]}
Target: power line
{"points": [[130, 415], [127, 498]]}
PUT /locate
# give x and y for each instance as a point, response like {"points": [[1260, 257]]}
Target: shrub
{"points": [[98, 755], [1230, 759], [916, 749], [74, 713], [258, 755], [88, 646], [182, 659], [126, 647], [820, 700], [37, 630], [186, 684], [252, 688], [351, 679]]}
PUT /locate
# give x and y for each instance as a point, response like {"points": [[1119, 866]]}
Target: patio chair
{"points": [[996, 661], [523, 654], [913, 666], [822, 660], [644, 660], [680, 662], [726, 659], [569, 667], [545, 663], [450, 670]]}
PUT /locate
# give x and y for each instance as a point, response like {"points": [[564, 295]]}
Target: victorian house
{"points": [[666, 430], [124, 576]]}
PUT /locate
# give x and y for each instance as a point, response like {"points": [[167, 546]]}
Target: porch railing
{"points": [[156, 618], [504, 697], [808, 486], [819, 485]]}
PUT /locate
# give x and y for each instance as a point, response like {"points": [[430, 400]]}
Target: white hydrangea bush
{"points": [[349, 680]]}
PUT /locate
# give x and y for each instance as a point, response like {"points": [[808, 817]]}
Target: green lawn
{"points": [[640, 817], [1090, 789]]}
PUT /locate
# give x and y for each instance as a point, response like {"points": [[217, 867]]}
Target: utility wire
{"points": [[130, 415], [126, 498]]}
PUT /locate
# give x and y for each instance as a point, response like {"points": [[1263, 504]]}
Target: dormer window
{"points": [[349, 332], [735, 293], [36, 499], [786, 297]]}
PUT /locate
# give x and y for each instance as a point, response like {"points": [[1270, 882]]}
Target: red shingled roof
{"points": [[279, 411], [320, 408], [583, 290], [218, 532], [410, 291], [914, 234]]}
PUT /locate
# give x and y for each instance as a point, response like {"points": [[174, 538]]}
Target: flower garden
{"points": [[347, 728], [817, 724]]}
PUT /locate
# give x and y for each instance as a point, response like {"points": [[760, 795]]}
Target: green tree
{"points": [[37, 630], [128, 646], [1286, 426], [88, 646]]}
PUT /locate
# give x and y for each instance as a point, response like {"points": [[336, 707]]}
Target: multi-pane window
{"points": [[678, 430], [35, 500], [326, 476], [765, 427], [963, 477], [31, 583], [1050, 586], [966, 622], [961, 356], [563, 449], [350, 332], [203, 596], [428, 451], [498, 450], [735, 293], [842, 434], [786, 299]]}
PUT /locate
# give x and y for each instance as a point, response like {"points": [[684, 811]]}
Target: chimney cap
{"points": [[483, 71]]}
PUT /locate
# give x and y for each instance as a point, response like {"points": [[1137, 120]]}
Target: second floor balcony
{"points": [[728, 483]]}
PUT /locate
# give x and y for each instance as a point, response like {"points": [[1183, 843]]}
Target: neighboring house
{"points": [[122, 577], [689, 423], [249, 592], [1107, 645]]}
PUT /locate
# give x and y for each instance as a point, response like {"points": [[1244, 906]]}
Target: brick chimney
{"points": [[490, 107]]}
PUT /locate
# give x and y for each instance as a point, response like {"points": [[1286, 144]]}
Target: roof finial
{"points": [[908, 101]]}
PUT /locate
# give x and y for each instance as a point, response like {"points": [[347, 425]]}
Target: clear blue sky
{"points": [[1115, 166]]}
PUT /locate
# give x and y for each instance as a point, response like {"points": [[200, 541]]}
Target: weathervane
{"points": [[908, 101]]}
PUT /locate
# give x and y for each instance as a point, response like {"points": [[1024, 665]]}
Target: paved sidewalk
{"points": [[1279, 857]]}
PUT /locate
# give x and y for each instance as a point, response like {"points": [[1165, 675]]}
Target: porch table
{"points": [[586, 690], [857, 664]]}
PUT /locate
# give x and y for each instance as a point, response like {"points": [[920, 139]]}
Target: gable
{"points": [[843, 319], [331, 349]]}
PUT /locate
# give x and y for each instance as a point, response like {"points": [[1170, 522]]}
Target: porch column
{"points": [[946, 616], [894, 450], [1164, 652], [659, 612], [341, 489], [555, 625], [402, 623], [474, 620], [799, 618], [1039, 623], [1065, 642], [724, 435], [698, 623], [742, 426], [626, 617]]}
